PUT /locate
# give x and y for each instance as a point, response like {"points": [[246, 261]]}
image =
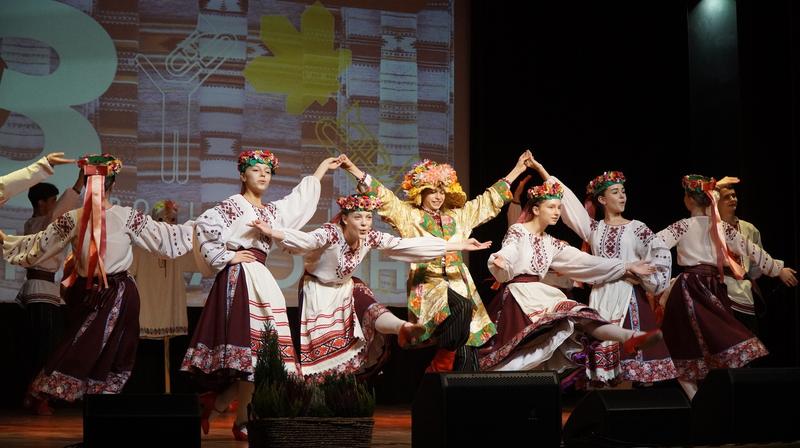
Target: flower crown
{"points": [[359, 202], [163, 206], [255, 156], [428, 174], [102, 164], [695, 183], [548, 190], [607, 179]]}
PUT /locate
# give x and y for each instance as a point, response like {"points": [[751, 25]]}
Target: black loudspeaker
{"points": [[747, 405], [488, 408], [651, 417], [141, 420]]}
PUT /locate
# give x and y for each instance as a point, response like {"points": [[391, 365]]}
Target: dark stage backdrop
{"points": [[629, 86]]}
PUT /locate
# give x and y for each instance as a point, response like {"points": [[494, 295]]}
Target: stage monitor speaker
{"points": [[487, 408], [747, 405], [139, 420], [655, 416]]}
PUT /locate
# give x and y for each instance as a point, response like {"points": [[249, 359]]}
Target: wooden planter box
{"points": [[310, 432]]}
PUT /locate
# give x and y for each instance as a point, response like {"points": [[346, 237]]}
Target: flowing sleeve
{"points": [[484, 207], [579, 265], [18, 181], [297, 242], [160, 238], [394, 211], [673, 234], [574, 214], [746, 248], [297, 208], [510, 253], [411, 250], [210, 233], [30, 250], [652, 249]]}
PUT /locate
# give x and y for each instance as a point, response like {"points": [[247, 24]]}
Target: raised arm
{"points": [[70, 199], [574, 214], [297, 208], [18, 181], [393, 210], [487, 205]]}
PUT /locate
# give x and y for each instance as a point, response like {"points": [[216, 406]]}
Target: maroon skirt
{"points": [[654, 363], [514, 327], [700, 329], [220, 350], [98, 350]]}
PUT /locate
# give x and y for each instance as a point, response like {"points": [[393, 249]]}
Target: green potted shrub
{"points": [[288, 411]]}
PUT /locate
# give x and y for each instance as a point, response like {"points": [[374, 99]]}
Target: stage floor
{"points": [[21, 430]]}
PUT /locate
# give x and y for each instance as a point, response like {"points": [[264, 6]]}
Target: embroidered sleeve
{"points": [[653, 250], [411, 250], [673, 234], [483, 208], [399, 214], [746, 248], [575, 215], [297, 242], [510, 253], [584, 267], [210, 232], [161, 238], [296, 209], [29, 250]]}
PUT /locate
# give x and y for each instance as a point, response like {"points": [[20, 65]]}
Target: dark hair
{"points": [[41, 192], [107, 184], [699, 198]]}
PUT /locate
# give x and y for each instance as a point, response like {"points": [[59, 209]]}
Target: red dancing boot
{"points": [[239, 432], [207, 402], [643, 341], [442, 361]]}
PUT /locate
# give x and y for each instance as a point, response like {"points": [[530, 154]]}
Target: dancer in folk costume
{"points": [[18, 181], [342, 325], [40, 295], [245, 295], [536, 323], [699, 327], [623, 302], [552, 278], [99, 349], [745, 292], [441, 294]]}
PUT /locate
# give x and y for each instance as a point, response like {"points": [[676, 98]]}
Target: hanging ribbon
{"points": [[718, 237], [93, 211]]}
